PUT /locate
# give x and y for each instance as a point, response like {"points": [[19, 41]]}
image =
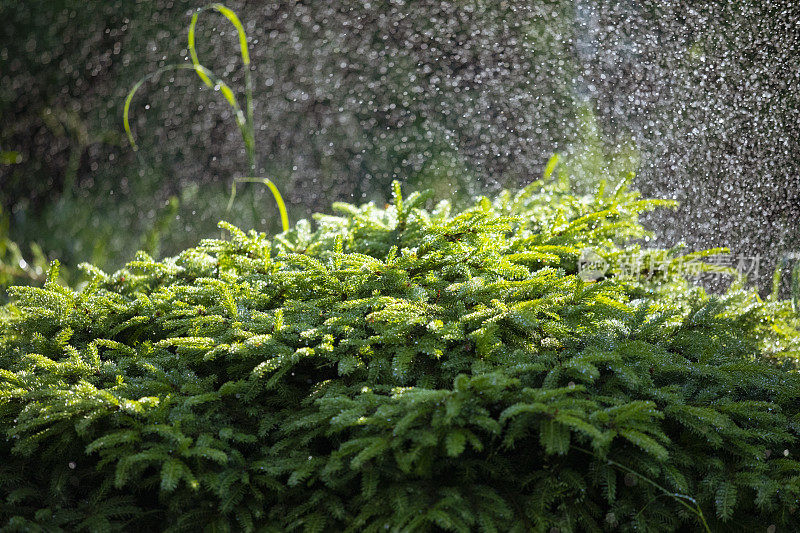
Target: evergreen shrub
{"points": [[410, 368]]}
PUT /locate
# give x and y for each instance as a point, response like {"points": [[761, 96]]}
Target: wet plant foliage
{"points": [[406, 368]]}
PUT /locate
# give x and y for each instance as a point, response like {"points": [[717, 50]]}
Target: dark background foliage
{"points": [[462, 97]]}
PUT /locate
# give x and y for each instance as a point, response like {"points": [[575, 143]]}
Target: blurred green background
{"points": [[464, 97], [348, 97]]}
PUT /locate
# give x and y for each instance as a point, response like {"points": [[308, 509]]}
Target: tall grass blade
{"points": [[248, 133], [776, 279], [245, 123], [226, 91], [551, 166], [275, 192]]}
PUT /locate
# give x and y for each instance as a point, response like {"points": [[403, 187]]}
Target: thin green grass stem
{"points": [[683, 499]]}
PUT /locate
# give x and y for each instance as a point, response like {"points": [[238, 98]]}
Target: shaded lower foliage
{"points": [[402, 369]]}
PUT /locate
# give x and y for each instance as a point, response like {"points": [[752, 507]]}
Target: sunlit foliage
{"points": [[409, 368]]}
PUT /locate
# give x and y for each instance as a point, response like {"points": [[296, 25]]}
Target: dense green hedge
{"points": [[402, 369]]}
